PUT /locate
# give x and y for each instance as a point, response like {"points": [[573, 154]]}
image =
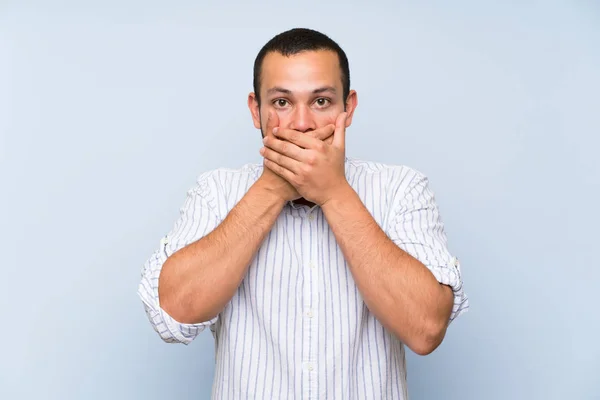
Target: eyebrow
{"points": [[323, 89]]}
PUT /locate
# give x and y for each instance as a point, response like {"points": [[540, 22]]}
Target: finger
{"points": [[325, 134], [272, 122], [279, 170], [322, 133], [339, 136], [300, 139], [280, 159], [329, 140], [283, 147]]}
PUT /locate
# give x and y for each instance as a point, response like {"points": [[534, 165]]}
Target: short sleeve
{"points": [[197, 217], [416, 227]]}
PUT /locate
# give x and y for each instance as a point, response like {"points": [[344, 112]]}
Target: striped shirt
{"points": [[297, 327]]}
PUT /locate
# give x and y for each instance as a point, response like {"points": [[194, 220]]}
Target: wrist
{"points": [[268, 192], [339, 194]]}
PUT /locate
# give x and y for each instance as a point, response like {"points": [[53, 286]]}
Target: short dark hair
{"points": [[295, 41]]}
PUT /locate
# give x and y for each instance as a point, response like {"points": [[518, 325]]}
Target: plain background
{"points": [[109, 111]]}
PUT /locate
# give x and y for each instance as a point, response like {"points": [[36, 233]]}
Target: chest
{"points": [[300, 266]]}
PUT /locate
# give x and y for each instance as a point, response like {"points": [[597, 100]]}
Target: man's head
{"points": [[303, 76]]}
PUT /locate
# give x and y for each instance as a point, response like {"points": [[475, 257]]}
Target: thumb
{"points": [[339, 136]]}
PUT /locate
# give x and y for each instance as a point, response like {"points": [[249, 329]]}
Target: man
{"points": [[312, 270]]}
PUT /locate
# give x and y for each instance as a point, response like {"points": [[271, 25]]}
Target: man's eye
{"points": [[322, 102], [281, 103]]}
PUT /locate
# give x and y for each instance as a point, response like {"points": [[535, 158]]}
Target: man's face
{"points": [[305, 90]]}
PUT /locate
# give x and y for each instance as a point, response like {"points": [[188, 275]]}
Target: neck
{"points": [[304, 202]]}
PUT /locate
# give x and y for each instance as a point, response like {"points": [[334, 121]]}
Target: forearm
{"points": [[398, 289], [197, 281]]}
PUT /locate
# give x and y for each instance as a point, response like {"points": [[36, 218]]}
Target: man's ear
{"points": [[351, 104], [254, 108]]}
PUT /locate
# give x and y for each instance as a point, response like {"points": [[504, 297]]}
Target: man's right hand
{"points": [[273, 182]]}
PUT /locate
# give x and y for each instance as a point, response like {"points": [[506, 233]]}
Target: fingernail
{"points": [[275, 130]]}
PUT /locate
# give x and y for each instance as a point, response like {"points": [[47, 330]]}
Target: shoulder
{"points": [[222, 188], [225, 178], [392, 177]]}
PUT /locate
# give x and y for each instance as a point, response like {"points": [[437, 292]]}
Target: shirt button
{"points": [[311, 217], [311, 264], [309, 314], [310, 367]]}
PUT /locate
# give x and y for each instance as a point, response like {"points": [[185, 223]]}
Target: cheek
{"points": [[286, 118], [264, 116], [325, 117], [329, 118]]}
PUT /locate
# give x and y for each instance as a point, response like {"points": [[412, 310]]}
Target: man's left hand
{"points": [[314, 167]]}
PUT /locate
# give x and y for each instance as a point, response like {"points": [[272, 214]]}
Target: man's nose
{"points": [[302, 119]]}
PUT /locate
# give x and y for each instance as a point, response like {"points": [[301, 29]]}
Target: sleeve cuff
{"points": [[170, 330], [450, 275], [184, 333]]}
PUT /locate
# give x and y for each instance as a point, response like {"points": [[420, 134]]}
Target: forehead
{"points": [[302, 71]]}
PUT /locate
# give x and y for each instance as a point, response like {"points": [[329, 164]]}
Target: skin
{"points": [[300, 93], [303, 122]]}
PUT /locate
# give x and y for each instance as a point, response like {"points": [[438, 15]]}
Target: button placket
{"points": [[310, 304]]}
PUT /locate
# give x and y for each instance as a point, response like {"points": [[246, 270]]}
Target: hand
{"points": [[314, 167], [268, 178]]}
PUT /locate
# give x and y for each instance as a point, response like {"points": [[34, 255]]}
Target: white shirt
{"points": [[297, 327]]}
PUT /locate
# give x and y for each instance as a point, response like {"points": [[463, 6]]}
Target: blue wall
{"points": [[108, 112]]}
